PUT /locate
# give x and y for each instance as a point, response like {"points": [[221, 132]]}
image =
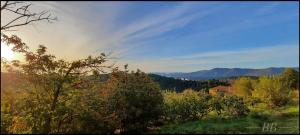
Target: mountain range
{"points": [[217, 73]]}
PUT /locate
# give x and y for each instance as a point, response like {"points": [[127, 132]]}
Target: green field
{"points": [[284, 120]]}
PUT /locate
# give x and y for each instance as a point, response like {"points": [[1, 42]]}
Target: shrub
{"points": [[85, 112], [216, 104], [189, 105], [135, 100], [244, 86], [273, 90], [252, 101], [235, 106], [291, 75]]}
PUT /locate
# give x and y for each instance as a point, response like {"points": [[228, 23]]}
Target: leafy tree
{"points": [[273, 90], [135, 100], [52, 78], [292, 76], [53, 100], [85, 111], [243, 86]]}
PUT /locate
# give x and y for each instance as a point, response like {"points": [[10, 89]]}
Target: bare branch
{"points": [[23, 12], [4, 5], [14, 3]]}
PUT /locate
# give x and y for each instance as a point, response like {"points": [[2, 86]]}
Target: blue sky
{"points": [[173, 36]]}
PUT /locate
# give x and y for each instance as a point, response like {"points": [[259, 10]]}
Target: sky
{"points": [[171, 36]]}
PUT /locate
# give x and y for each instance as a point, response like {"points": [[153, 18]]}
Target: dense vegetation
{"points": [[260, 101], [131, 102], [286, 118], [167, 83], [44, 94]]}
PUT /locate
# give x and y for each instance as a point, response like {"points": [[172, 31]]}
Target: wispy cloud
{"points": [[237, 58], [154, 39], [155, 24]]}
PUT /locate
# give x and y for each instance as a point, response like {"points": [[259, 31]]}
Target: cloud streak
{"points": [[154, 39], [228, 58]]}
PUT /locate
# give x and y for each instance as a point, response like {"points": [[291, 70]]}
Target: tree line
{"points": [[167, 83]]}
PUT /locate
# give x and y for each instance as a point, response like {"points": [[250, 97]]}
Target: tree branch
{"points": [[5, 4], [23, 12]]}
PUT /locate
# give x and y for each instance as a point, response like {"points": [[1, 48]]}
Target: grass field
{"points": [[284, 120]]}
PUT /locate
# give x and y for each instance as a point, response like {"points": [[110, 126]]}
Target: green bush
{"points": [[135, 100], [235, 106], [273, 90], [188, 105], [252, 101], [243, 86], [85, 112], [216, 104]]}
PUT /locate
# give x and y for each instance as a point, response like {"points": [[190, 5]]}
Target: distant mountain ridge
{"points": [[216, 73]]}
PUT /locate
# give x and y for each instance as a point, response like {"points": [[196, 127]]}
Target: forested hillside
{"points": [[168, 83], [219, 73]]}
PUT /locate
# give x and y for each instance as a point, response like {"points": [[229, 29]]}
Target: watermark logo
{"points": [[269, 127], [274, 127]]}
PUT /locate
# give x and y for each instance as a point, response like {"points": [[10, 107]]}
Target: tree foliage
{"points": [[235, 106], [188, 105], [167, 83], [273, 90], [244, 86], [292, 76], [192, 105], [135, 99], [48, 79]]}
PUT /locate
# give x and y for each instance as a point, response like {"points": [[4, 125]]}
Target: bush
{"points": [[244, 86], [291, 75], [252, 101], [85, 112], [235, 106], [189, 105], [229, 106], [135, 100], [216, 104], [273, 90]]}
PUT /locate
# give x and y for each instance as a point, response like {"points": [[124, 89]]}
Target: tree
{"points": [[243, 86], [54, 77], [291, 75], [50, 100], [135, 100], [22, 16], [273, 90]]}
